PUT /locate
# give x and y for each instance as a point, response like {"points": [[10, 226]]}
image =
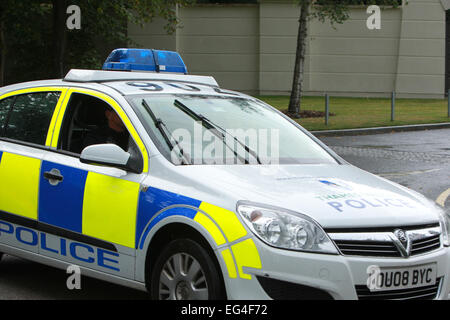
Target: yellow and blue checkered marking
{"points": [[62, 205], [19, 177], [236, 248], [153, 201], [85, 199]]}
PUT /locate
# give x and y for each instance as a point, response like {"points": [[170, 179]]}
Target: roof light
{"points": [[145, 60]]}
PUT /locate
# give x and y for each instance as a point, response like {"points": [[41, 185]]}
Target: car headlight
{"points": [[286, 229], [444, 219]]}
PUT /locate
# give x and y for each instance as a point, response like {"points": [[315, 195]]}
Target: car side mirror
{"points": [[109, 155]]}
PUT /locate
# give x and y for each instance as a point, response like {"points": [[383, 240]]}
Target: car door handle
{"points": [[54, 177]]}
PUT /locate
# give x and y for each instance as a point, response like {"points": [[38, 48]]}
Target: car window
{"points": [[5, 104], [195, 129], [86, 122], [29, 118]]}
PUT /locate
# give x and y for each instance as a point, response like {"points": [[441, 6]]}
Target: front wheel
{"points": [[185, 271]]}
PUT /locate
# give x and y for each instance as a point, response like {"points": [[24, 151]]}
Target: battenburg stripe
{"points": [[155, 200], [62, 205]]}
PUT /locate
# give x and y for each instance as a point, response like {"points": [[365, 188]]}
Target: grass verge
{"points": [[352, 113]]}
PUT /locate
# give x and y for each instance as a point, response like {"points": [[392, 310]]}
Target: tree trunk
{"points": [[296, 94], [3, 53], [59, 37]]}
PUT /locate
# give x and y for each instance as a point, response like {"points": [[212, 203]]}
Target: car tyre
{"points": [[184, 270]]}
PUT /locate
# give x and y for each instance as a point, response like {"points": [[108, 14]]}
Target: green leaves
{"points": [[30, 32]]}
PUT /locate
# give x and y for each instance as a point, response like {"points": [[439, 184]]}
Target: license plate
{"points": [[386, 279]]}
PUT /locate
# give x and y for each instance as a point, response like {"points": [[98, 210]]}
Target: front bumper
{"points": [[336, 275]]}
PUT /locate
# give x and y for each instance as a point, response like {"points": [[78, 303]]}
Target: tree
{"points": [[104, 20], [17, 31], [334, 11], [59, 36], [36, 44], [3, 14]]}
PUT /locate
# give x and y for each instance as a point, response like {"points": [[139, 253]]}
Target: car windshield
{"points": [[217, 130]]}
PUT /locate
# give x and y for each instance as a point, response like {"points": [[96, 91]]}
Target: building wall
{"points": [[350, 58], [153, 35], [421, 59], [251, 48], [278, 43], [222, 41]]}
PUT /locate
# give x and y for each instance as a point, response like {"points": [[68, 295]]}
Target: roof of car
{"points": [[80, 75], [133, 83]]}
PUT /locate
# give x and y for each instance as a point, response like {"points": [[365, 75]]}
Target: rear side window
{"points": [[29, 117], [5, 105]]}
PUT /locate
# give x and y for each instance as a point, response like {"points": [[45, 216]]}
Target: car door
{"points": [[26, 117], [92, 207]]}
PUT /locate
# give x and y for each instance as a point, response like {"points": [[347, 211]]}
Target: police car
{"points": [[212, 194]]}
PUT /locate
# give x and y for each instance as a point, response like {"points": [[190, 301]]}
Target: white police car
{"points": [[195, 192]]}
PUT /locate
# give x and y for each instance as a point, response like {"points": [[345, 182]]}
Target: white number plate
{"points": [[386, 279]]}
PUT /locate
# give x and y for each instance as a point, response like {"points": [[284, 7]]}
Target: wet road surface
{"points": [[419, 160]]}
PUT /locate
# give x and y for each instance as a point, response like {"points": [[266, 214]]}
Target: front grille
{"points": [[385, 244], [423, 293], [368, 248], [425, 245]]}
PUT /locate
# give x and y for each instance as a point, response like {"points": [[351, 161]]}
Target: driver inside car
{"points": [[114, 131]]}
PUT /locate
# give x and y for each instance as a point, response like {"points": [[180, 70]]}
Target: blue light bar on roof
{"points": [[145, 60]]}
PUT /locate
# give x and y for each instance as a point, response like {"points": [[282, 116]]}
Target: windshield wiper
{"points": [[216, 129], [161, 126]]}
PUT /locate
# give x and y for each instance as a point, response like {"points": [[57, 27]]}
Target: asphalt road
{"points": [[418, 160], [25, 280]]}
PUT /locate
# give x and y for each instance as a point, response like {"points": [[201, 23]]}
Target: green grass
{"points": [[353, 113]]}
